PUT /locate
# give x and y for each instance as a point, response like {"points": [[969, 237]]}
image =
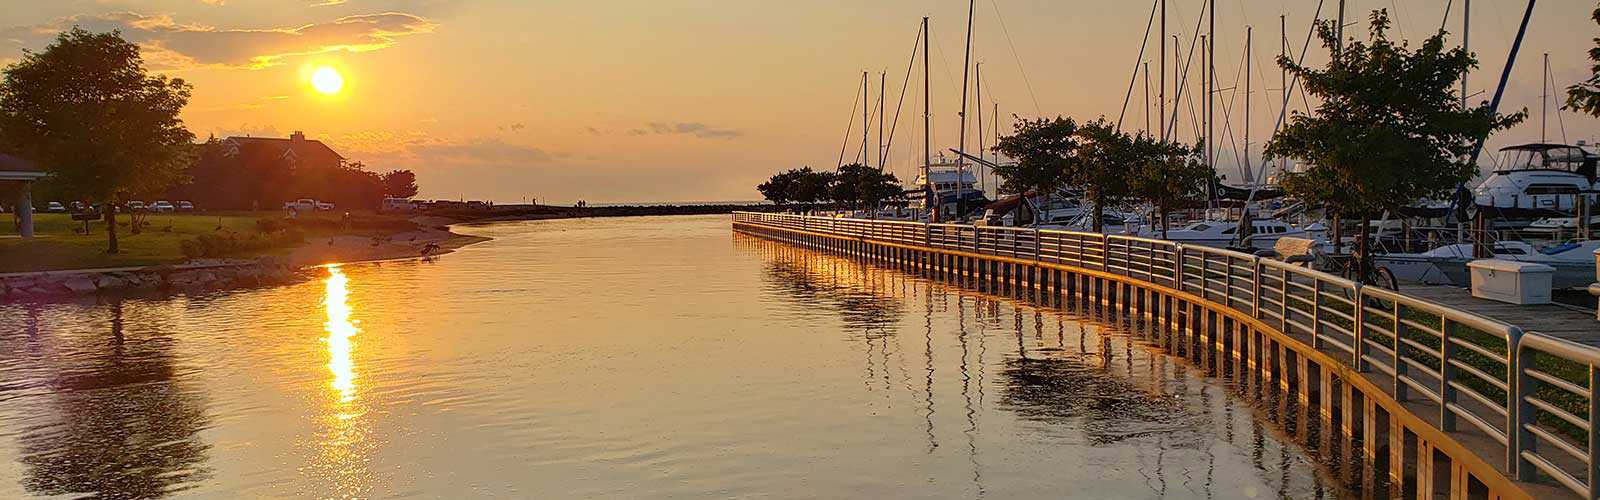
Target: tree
{"points": [[862, 186], [399, 184], [1585, 96], [1043, 150], [1389, 129], [1168, 175], [1100, 167], [780, 189], [87, 111], [812, 188]]}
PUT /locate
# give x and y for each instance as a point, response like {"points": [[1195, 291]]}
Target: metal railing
{"points": [[1529, 392]]}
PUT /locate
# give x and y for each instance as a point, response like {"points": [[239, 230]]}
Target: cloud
{"points": [[481, 152], [168, 43], [417, 149], [691, 128]]}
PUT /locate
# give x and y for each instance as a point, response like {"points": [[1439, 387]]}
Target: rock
{"points": [[110, 281], [80, 284]]}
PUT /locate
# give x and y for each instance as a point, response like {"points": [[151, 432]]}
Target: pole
{"points": [[961, 163], [1283, 76], [1505, 75], [1466, 33], [1161, 93], [1205, 88], [882, 83], [1339, 47], [1147, 96], [927, 134], [977, 82], [1211, 81], [1544, 98], [1249, 32], [864, 123]]}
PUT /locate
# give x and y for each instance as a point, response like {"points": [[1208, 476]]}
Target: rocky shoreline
{"points": [[216, 274]]}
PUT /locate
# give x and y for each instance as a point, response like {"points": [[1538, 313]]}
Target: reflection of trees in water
{"points": [[120, 426], [1108, 408], [854, 290]]}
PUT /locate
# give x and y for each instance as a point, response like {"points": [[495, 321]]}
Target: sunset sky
{"points": [[696, 100]]}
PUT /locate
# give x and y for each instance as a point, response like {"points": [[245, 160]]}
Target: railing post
{"points": [[1036, 254], [1358, 347], [1283, 301], [1316, 312], [1447, 393], [1255, 288], [1399, 355], [1227, 281], [1178, 255], [1520, 412], [1594, 434]]}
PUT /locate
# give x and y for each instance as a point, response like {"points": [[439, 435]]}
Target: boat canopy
{"points": [[1543, 156]]}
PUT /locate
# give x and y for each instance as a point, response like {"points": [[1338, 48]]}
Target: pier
{"points": [[1436, 400]]}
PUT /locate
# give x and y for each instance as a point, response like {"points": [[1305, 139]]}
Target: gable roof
{"points": [[305, 150]]}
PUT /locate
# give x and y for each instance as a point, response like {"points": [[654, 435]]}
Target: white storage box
{"points": [[1511, 281]]}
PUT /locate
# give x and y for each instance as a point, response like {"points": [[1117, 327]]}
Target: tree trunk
{"points": [[1099, 215], [1161, 211], [111, 226]]}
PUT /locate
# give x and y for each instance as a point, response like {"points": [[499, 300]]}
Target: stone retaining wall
{"points": [[193, 276]]}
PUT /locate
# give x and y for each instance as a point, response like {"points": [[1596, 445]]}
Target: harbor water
{"points": [[651, 357]]}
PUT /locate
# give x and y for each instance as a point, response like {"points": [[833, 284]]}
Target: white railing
{"points": [[1529, 392]]}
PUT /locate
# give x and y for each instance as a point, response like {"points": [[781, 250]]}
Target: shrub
{"points": [[231, 243]]}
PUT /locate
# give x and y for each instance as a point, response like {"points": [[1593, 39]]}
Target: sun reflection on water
{"points": [[344, 446]]}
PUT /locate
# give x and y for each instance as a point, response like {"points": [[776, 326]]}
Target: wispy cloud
{"points": [[691, 128], [168, 43]]}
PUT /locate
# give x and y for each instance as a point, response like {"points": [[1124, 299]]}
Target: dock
{"points": [[1564, 321]]}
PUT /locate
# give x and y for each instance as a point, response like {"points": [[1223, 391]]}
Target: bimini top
{"points": [[1542, 156]]}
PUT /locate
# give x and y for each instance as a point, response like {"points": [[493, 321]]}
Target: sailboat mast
{"points": [[1466, 33], [1544, 98], [927, 123], [1283, 75], [864, 110], [882, 85], [1339, 47], [977, 98], [1249, 32], [1211, 83], [961, 161], [1205, 88], [1161, 93], [1147, 96]]}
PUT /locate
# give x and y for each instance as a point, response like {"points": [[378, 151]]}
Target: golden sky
{"points": [[693, 100]]}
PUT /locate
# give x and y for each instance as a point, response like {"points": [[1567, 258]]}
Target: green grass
{"points": [[60, 243]]}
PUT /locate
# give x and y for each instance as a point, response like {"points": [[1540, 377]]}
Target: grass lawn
{"points": [[59, 242]]}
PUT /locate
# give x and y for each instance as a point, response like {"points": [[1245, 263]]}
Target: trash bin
{"points": [[1511, 281]]}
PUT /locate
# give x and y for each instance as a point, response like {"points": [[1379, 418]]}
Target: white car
{"points": [[55, 207], [136, 206], [307, 204], [163, 206]]}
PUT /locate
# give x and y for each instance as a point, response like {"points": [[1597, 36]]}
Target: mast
{"points": [[1161, 93], [1283, 76], [1466, 32], [1147, 96], [1339, 47], [882, 82], [1211, 82], [977, 98], [1505, 75], [864, 123], [927, 123], [1205, 88], [1248, 33], [961, 162], [997, 152], [1544, 98]]}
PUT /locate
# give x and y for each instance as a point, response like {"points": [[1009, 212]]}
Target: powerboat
{"points": [[1534, 180], [951, 187], [1221, 234]]}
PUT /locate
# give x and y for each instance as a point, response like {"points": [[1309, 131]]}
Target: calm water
{"points": [[616, 358]]}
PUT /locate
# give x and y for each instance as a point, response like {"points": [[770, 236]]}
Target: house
{"points": [[297, 149], [16, 171]]}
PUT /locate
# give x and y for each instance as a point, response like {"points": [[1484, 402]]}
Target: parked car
{"points": [[184, 206], [399, 204], [307, 204], [136, 206], [55, 207], [163, 207]]}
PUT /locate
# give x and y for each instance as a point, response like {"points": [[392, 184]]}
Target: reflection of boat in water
{"points": [[1573, 262]]}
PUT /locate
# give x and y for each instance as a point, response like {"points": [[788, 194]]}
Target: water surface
{"points": [[614, 358]]}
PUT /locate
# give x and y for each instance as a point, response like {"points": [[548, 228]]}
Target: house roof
{"points": [[10, 163], [304, 149]]}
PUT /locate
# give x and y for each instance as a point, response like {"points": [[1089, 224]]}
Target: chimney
{"points": [[297, 136]]}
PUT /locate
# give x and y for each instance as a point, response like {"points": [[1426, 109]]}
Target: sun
{"points": [[327, 80]]}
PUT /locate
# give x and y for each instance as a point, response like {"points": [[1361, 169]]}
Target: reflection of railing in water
{"points": [[1107, 390], [1522, 399]]}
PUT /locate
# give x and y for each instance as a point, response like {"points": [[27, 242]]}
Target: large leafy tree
{"points": [[1585, 96], [862, 186], [87, 111], [1100, 168], [400, 184], [800, 185], [1389, 130], [1043, 150], [1168, 175]]}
